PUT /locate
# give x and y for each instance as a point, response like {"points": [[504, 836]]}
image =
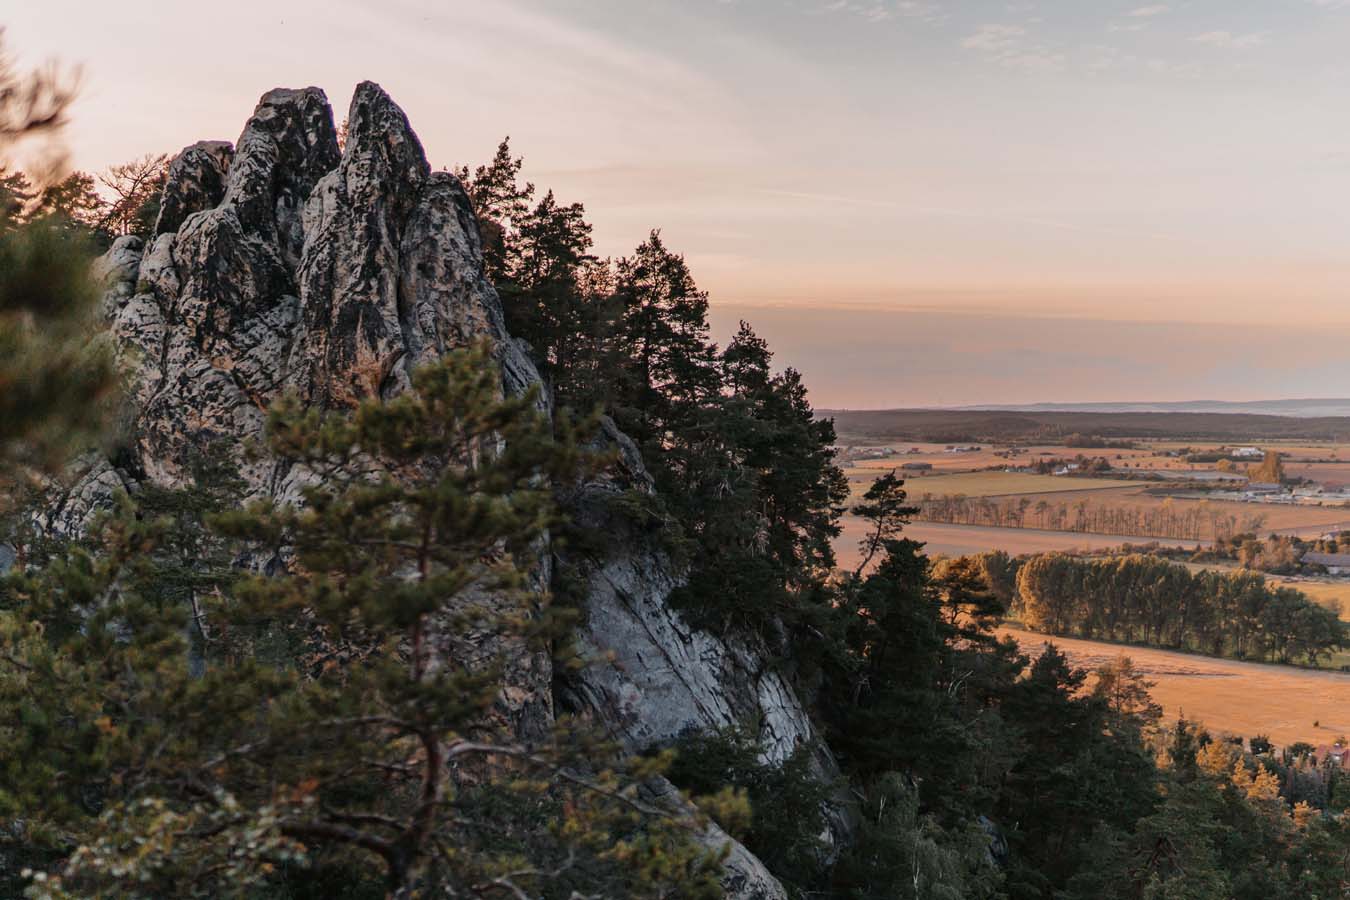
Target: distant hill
{"points": [[1305, 408], [1054, 422]]}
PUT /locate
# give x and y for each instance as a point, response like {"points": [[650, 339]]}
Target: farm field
{"points": [[1282, 517], [1324, 592], [1228, 696], [942, 461], [989, 484], [1322, 473], [957, 540], [1315, 461]]}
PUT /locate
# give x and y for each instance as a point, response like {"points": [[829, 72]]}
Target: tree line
{"points": [[744, 469], [1197, 522], [1146, 600], [122, 199]]}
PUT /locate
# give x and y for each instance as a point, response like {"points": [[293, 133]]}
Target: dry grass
{"points": [[1150, 456], [1282, 517], [1322, 473], [1004, 484], [1228, 696], [1334, 594], [958, 540]]}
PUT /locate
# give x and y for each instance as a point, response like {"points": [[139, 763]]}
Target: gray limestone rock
{"points": [[652, 677], [196, 182], [279, 264]]}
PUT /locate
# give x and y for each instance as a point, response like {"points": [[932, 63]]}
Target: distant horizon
{"points": [[1107, 406], [876, 358], [990, 202]]}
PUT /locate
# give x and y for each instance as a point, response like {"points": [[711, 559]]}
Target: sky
{"points": [[919, 202]]}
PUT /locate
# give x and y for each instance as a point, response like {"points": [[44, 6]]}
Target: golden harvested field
{"points": [[958, 540], [983, 484], [1276, 516], [1324, 592], [1313, 461], [1004, 484], [1322, 473], [1228, 696], [937, 456]]}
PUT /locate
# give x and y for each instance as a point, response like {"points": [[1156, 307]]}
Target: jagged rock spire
{"points": [[280, 264]]}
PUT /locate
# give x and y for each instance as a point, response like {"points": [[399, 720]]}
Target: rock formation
{"points": [[281, 264]]}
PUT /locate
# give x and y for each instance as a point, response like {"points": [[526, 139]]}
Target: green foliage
{"points": [[901, 852], [753, 483], [1078, 770], [1220, 833], [742, 465], [922, 687], [158, 770], [1152, 601], [787, 801], [884, 509], [56, 374]]}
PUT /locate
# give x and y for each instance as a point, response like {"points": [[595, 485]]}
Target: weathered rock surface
{"points": [[196, 182], [281, 264], [745, 878], [85, 489], [652, 677]]}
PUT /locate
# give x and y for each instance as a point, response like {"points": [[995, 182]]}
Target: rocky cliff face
{"points": [[283, 264], [652, 677]]}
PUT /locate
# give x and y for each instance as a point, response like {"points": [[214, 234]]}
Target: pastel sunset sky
{"points": [[919, 202]]}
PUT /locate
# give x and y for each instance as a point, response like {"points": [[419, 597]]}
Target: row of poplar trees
{"points": [[1148, 600]]}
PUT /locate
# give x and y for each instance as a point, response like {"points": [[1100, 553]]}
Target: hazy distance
{"points": [[923, 203]]}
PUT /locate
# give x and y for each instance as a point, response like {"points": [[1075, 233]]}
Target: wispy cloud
{"points": [[872, 10], [881, 10], [1227, 40], [994, 38], [1010, 45], [920, 9], [1144, 12]]}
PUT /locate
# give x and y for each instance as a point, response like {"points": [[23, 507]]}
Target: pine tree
{"points": [[332, 722], [73, 201], [883, 508], [499, 201], [666, 364], [16, 194]]}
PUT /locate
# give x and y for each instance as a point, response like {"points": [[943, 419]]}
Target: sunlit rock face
{"points": [[652, 677], [283, 264]]}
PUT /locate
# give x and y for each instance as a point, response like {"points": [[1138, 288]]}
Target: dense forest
{"points": [[213, 695], [1147, 600]]}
